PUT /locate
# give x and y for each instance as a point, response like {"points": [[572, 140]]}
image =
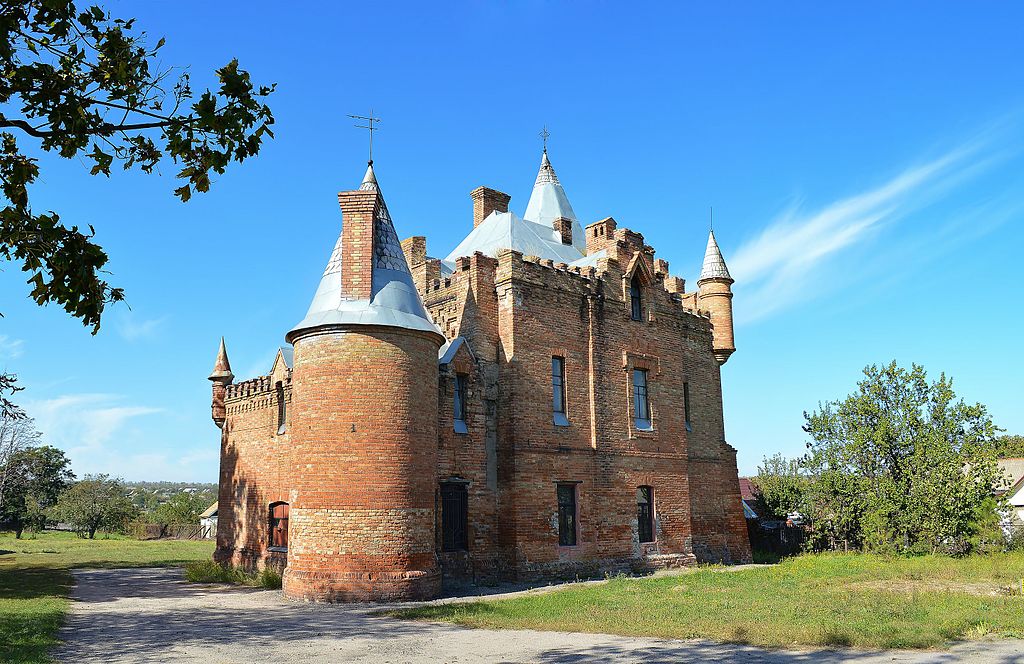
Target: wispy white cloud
{"points": [[132, 328], [84, 424], [108, 433], [11, 349], [789, 260]]}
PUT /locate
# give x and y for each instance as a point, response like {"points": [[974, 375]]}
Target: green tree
{"points": [[87, 86], [901, 464], [35, 478], [98, 502], [781, 485], [1010, 447], [8, 387], [181, 508]]}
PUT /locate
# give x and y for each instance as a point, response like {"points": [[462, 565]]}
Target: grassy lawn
{"points": [[35, 580], [816, 600]]}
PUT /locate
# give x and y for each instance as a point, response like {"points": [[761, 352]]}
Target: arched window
{"points": [[279, 525], [636, 306]]}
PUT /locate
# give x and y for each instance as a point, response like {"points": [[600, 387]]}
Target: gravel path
{"points": [[151, 615]]}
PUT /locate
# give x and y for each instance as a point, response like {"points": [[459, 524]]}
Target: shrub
{"points": [[270, 579], [208, 571]]}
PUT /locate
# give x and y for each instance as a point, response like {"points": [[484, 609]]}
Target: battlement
{"points": [[249, 388]]}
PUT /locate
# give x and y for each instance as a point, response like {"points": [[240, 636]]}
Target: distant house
{"points": [[753, 508], [208, 520], [1012, 489]]}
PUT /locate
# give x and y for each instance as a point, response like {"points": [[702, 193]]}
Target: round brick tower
{"points": [[715, 295], [364, 427]]}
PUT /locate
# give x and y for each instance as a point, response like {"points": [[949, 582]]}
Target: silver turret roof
{"points": [[394, 300], [549, 202], [714, 264]]}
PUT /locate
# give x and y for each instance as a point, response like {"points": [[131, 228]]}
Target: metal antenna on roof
{"points": [[369, 119], [544, 133]]}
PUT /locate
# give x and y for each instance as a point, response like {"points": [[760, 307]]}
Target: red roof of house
{"points": [[747, 489]]}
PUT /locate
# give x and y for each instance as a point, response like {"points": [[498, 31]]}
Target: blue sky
{"points": [[864, 163]]}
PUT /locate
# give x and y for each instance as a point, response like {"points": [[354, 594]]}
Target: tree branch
{"points": [[24, 126]]}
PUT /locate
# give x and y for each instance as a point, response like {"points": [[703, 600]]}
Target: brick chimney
{"points": [[486, 201], [357, 209], [563, 225], [600, 234]]}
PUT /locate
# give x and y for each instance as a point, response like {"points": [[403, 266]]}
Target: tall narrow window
{"points": [[636, 307], [281, 412], [566, 515], [686, 406], [279, 525], [454, 516], [459, 403], [558, 390], [641, 404], [645, 513]]}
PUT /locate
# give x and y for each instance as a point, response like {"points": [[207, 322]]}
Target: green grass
{"points": [[35, 580], [207, 571], [853, 600]]}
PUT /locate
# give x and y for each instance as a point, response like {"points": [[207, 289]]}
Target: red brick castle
{"points": [[544, 402]]}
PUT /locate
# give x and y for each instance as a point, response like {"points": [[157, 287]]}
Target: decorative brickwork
{"points": [[369, 435]]}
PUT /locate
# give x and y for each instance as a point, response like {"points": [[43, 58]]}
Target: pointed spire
{"points": [[714, 264], [222, 368], [549, 202], [546, 175], [369, 180]]}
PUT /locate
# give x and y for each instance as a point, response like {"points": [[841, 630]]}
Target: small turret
{"points": [[715, 295], [221, 377]]}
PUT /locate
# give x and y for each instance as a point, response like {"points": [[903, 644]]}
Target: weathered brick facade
{"points": [[368, 438]]}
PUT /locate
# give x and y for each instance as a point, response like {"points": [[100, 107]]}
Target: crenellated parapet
{"points": [[249, 388]]}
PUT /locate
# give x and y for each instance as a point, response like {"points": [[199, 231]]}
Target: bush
{"points": [[208, 571], [270, 579]]}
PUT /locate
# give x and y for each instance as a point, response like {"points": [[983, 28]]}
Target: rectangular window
{"points": [[566, 515], [454, 516], [281, 412], [279, 525], [558, 390], [459, 403], [686, 406], [645, 513], [641, 404]]}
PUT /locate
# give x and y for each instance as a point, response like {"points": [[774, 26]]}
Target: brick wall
{"points": [[364, 466], [254, 471]]}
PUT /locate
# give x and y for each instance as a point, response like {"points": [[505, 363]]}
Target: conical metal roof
{"points": [[549, 202], [714, 264], [394, 300], [369, 182], [221, 368]]}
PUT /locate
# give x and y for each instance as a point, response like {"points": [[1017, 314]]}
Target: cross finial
{"points": [[544, 133], [369, 119]]}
